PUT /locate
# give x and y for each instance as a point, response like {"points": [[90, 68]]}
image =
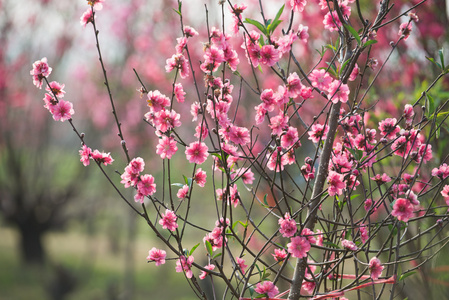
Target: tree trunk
{"points": [[31, 247]]}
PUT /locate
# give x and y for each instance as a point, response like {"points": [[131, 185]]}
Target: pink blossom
{"points": [[269, 55], [318, 132], [338, 92], [246, 174], [303, 33], [132, 172], [375, 268], [294, 85], [237, 10], [55, 89], [278, 124], [364, 236], [279, 255], [381, 179], [195, 108], [136, 165], [335, 182], [182, 42], [166, 120], [349, 245], [183, 192], [261, 111], [87, 17], [405, 29], [157, 256], [402, 209], [269, 99], [354, 73], [277, 160], [40, 71], [368, 204], [241, 264], [331, 21], [445, 192], [179, 62], [96, 4], [285, 42], [85, 155], [307, 233], [298, 247], [239, 135], [146, 185], [290, 138], [168, 220], [267, 288], [196, 152], [166, 147], [408, 113], [215, 238], [307, 171], [389, 128], [441, 172], [203, 274], [179, 93], [320, 79], [200, 177], [298, 5], [102, 157], [319, 237], [157, 101], [184, 264], [288, 226], [190, 31]]}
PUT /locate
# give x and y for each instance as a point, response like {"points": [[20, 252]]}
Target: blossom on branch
{"points": [[157, 255], [267, 288]]}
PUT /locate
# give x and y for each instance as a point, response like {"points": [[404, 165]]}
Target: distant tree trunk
{"points": [[31, 246]]}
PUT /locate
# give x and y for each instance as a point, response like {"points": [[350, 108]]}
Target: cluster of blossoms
{"points": [[88, 15], [143, 183], [216, 237], [232, 143], [87, 154], [61, 110]]}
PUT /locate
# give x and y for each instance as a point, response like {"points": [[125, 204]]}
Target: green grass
{"points": [[98, 272]]}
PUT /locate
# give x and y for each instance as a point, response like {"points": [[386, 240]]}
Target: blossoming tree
{"points": [[314, 195]]}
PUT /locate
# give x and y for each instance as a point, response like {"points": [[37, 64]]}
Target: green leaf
{"points": [[259, 25], [323, 51], [405, 275], [354, 33], [179, 8], [194, 248], [354, 196], [369, 43], [430, 105], [343, 65], [260, 272], [434, 62], [178, 184], [265, 199], [260, 68], [209, 248], [331, 244], [278, 15], [441, 54], [216, 255], [274, 25]]}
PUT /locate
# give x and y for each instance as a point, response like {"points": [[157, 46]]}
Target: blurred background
{"points": [[64, 234]]}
